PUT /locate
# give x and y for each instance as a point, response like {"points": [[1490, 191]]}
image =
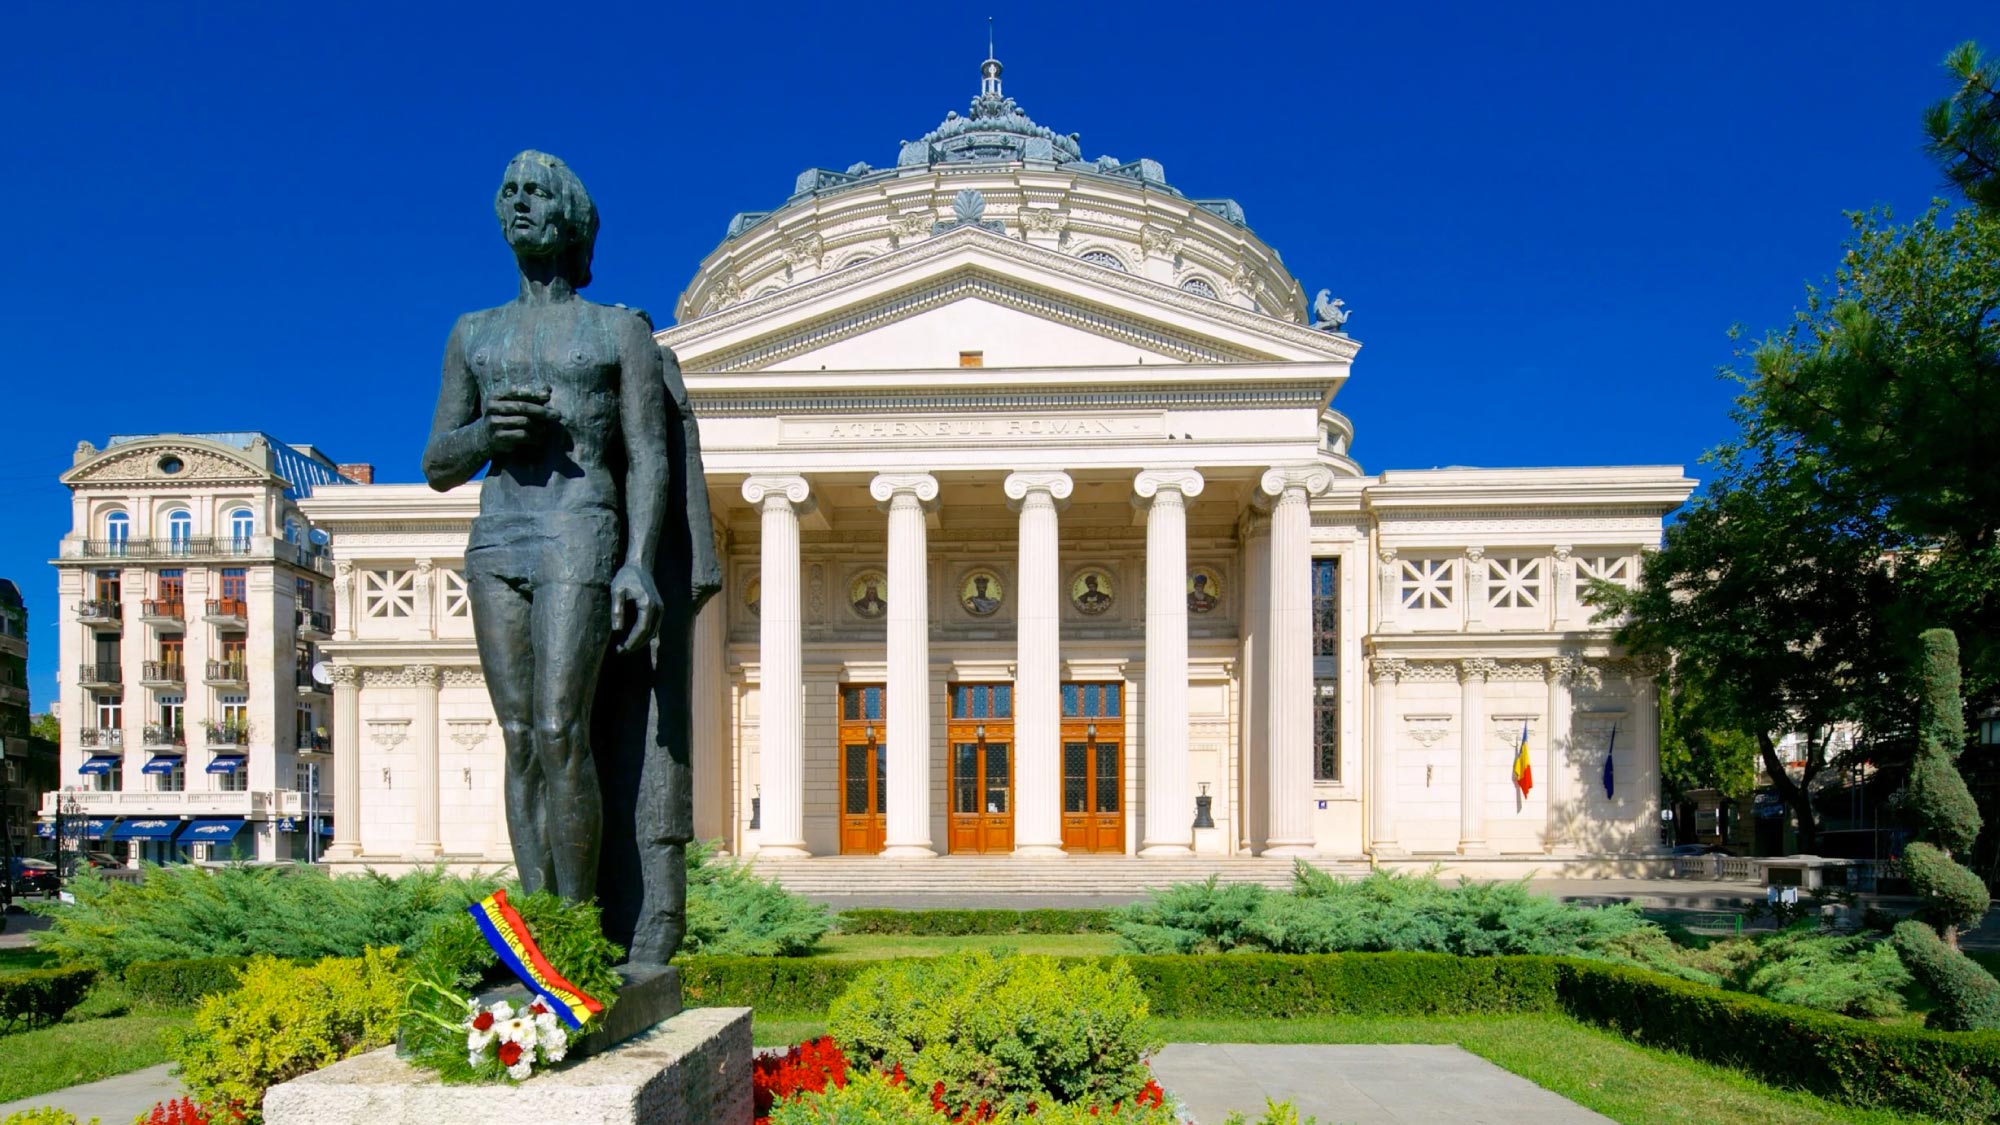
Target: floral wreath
{"points": [[553, 946]]}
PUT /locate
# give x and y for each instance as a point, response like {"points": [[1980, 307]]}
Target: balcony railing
{"points": [[315, 624], [159, 610], [164, 672], [306, 681], [317, 742], [227, 734], [101, 738], [105, 610], [227, 610], [228, 672], [306, 555], [101, 673], [159, 734]]}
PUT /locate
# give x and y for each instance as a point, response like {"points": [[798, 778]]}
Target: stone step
{"points": [[990, 875]]}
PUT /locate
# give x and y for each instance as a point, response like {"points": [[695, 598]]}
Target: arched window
{"points": [[241, 523], [180, 531], [291, 531], [117, 532], [1199, 288], [1103, 258]]}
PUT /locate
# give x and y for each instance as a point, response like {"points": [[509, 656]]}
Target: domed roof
{"points": [[995, 130]]}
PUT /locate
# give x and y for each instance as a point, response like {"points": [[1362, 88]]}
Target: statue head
{"points": [[545, 212]]}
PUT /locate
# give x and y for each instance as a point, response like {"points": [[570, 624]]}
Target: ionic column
{"points": [[907, 827], [1169, 823], [710, 757], [781, 687], [1382, 762], [1289, 775], [1255, 531], [429, 842], [1561, 674], [1471, 757], [1646, 757], [346, 763], [1038, 665]]}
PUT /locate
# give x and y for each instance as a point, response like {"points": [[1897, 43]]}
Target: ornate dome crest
{"points": [[995, 130]]}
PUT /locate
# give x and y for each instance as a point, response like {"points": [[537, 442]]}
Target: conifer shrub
{"points": [[731, 912], [1968, 998], [36, 997], [1000, 1030], [285, 1020]]}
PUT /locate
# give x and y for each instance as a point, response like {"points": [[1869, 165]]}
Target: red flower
{"points": [[537, 1008], [178, 1111], [483, 1021], [510, 1053]]}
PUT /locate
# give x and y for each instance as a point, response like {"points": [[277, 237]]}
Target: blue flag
{"points": [[1607, 760]]}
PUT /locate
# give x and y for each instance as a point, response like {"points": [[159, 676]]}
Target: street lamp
{"points": [[312, 756], [68, 811]]}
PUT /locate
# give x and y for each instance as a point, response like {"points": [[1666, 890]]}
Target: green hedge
{"points": [[183, 982], [962, 923], [41, 996], [1951, 1076]]}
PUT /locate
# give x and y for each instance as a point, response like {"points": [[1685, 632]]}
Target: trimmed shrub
{"points": [[46, 1115], [775, 986], [1948, 1077], [878, 1099], [965, 923], [295, 912], [1968, 998], [285, 1020], [1000, 1030], [1271, 986], [734, 913], [175, 984], [41, 996]]}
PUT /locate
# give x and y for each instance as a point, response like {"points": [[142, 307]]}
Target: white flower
{"points": [[518, 1031], [546, 1023], [521, 1069], [502, 1010], [555, 1045], [477, 1041], [472, 1060]]}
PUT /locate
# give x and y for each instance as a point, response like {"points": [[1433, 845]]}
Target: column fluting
{"points": [[429, 841], [346, 843], [1038, 664], [1169, 812], [710, 756], [907, 827], [1382, 761], [780, 666], [1472, 676], [1289, 776], [1561, 672]]}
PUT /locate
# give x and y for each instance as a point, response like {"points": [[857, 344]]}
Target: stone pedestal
{"points": [[694, 1069]]}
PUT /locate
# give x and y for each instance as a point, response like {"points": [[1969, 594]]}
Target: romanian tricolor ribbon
{"points": [[508, 935]]}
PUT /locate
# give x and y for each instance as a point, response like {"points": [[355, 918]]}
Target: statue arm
{"points": [[706, 570], [642, 416], [459, 445]]}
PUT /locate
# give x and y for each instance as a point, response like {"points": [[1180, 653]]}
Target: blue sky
{"points": [[236, 216]]}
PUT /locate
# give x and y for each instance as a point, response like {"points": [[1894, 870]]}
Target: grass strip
{"points": [[51, 1058]]}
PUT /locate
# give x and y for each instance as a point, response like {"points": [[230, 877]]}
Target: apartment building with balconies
{"points": [[195, 596]]}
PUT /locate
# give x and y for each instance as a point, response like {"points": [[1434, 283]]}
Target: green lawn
{"points": [[105, 1035], [14, 960], [1596, 1069], [877, 947]]}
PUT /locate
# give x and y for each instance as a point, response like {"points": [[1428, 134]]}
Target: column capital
{"points": [[345, 675], [422, 675], [1564, 667], [792, 489], [1477, 668], [1054, 482], [1389, 669], [885, 486], [1313, 480], [1151, 482]]}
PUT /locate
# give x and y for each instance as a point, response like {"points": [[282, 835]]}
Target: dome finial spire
{"points": [[989, 71]]}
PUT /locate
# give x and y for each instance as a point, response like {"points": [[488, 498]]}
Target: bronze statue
{"points": [[591, 555]]}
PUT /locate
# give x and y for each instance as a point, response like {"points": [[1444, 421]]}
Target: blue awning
{"points": [[162, 764], [146, 828], [100, 763], [76, 828], [228, 763], [209, 831]]}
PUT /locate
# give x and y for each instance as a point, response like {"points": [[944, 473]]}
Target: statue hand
{"points": [[633, 590], [513, 418]]}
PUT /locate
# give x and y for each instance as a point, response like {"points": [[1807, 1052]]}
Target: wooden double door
{"points": [[1093, 767], [981, 737], [864, 769]]}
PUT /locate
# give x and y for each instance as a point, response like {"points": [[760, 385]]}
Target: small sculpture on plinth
{"points": [[1328, 315], [589, 559]]}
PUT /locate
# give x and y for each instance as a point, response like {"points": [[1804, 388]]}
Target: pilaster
{"points": [[1472, 676], [1382, 810], [346, 843]]}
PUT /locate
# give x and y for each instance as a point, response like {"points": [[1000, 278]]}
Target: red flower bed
{"points": [[187, 1111], [810, 1067]]}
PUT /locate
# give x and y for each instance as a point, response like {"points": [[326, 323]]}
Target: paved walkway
{"points": [[113, 1101], [1358, 1085]]}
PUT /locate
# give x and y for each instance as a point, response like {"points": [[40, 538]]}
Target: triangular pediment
{"points": [[166, 461], [973, 291]]}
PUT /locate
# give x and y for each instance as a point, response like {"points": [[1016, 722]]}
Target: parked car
{"points": [[32, 876], [1699, 849]]}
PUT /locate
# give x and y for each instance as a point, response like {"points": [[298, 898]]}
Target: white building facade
{"points": [[1042, 537], [194, 595]]}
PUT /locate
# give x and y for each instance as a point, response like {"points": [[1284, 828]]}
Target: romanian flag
{"points": [[508, 935], [1524, 774]]}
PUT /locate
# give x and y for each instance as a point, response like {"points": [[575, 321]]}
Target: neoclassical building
{"points": [[1043, 537]]}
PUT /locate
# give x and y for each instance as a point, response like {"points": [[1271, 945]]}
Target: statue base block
{"points": [[693, 1069]]}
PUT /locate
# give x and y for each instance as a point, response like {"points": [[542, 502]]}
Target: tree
{"points": [[46, 725], [1948, 821], [1964, 129], [1763, 595], [1695, 752]]}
